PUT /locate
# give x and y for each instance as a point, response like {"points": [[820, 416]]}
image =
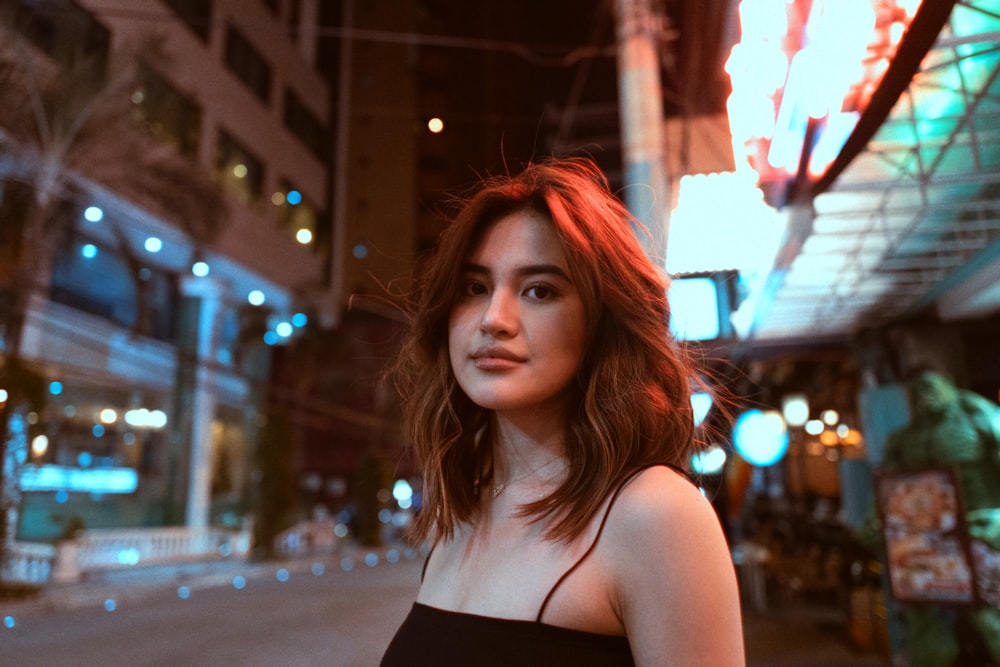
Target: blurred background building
{"points": [[211, 211], [145, 310]]}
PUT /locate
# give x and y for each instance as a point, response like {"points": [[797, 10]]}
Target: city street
{"points": [[300, 613], [315, 616]]}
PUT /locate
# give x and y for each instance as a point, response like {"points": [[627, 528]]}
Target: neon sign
{"points": [[87, 480], [802, 74]]}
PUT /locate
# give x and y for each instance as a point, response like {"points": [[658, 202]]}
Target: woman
{"points": [[550, 413]]}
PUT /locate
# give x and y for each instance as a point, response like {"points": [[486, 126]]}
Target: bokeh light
{"points": [[761, 437]]}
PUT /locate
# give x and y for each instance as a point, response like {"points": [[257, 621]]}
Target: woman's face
{"points": [[516, 336]]}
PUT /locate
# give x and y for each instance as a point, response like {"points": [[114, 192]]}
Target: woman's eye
{"points": [[474, 288], [540, 292]]}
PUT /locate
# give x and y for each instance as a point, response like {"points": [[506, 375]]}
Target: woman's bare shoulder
{"points": [[663, 520], [672, 572], [660, 497]]}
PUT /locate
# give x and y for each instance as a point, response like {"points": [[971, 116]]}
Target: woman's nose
{"points": [[500, 316]]}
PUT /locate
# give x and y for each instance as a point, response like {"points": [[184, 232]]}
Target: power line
{"points": [[527, 52]]}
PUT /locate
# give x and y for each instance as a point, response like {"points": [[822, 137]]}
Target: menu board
{"points": [[926, 540], [985, 558]]}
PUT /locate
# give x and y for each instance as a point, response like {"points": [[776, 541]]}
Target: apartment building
{"points": [[152, 424], [314, 119]]}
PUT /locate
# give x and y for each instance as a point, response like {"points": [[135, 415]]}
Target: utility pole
{"points": [[639, 30], [341, 162]]}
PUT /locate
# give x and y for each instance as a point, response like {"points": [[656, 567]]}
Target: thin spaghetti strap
{"points": [[423, 570], [600, 529]]}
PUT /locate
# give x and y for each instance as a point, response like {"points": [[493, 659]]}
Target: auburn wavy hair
{"points": [[631, 406]]}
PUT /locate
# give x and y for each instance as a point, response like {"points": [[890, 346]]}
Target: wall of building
{"points": [[200, 457], [383, 124]]}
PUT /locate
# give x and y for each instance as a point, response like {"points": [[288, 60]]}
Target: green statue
{"points": [[959, 428]]}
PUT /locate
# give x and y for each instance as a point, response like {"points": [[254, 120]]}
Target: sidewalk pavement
{"points": [[803, 635], [136, 582], [793, 636]]}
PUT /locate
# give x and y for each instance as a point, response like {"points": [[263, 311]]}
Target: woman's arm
{"points": [[675, 581]]}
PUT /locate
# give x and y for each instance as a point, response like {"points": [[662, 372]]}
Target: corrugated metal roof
{"points": [[912, 221]]}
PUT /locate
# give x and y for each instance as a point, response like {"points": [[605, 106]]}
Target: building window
{"points": [[96, 279], [64, 31], [227, 338], [196, 14], [239, 171], [105, 466], [249, 66], [304, 125], [167, 113], [296, 214]]}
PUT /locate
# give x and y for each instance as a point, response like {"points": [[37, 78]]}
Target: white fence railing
{"points": [[107, 548], [116, 548], [29, 562]]}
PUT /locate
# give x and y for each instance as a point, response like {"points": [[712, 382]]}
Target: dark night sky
{"points": [[516, 100], [525, 78]]}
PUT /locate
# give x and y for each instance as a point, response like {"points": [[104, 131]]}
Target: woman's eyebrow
{"points": [[469, 267], [527, 270]]}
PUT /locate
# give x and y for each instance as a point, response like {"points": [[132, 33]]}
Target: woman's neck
{"points": [[522, 444]]}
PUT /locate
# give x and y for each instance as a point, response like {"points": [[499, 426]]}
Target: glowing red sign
{"points": [[802, 74]]}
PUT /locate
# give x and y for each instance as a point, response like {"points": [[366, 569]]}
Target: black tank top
{"points": [[434, 637], [431, 637]]}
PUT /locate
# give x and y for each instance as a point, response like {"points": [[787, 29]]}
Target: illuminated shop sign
{"points": [[86, 480], [701, 305], [802, 75]]}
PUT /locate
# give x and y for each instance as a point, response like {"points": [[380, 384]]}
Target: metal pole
{"points": [[640, 106], [342, 162]]}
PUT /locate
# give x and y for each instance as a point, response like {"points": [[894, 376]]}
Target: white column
{"points": [[640, 105], [203, 401]]}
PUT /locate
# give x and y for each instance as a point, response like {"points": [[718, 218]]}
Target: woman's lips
{"points": [[495, 358]]}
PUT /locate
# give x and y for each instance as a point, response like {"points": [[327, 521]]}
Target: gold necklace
{"points": [[499, 488]]}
